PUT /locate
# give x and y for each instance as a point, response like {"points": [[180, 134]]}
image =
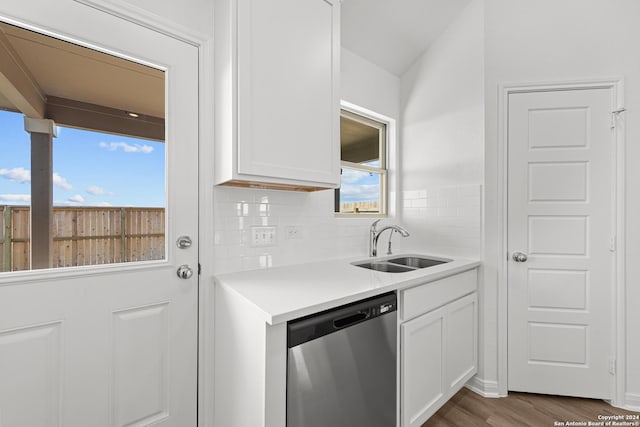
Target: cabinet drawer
{"points": [[424, 298]]}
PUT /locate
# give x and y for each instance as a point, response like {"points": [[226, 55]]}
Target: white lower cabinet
{"points": [[438, 356]]}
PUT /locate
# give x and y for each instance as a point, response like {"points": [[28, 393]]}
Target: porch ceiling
{"points": [[64, 70]]}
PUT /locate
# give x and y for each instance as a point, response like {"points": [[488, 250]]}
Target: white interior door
{"points": [[110, 345], [560, 222]]}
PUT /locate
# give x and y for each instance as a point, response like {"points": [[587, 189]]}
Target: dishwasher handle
{"points": [[351, 319]]}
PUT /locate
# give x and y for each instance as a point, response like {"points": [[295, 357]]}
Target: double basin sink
{"points": [[401, 264]]}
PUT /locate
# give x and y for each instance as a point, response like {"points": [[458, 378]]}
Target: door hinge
{"points": [[612, 244], [614, 116], [199, 269], [612, 366]]}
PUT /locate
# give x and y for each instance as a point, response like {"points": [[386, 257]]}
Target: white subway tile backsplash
{"points": [[419, 203], [320, 234], [444, 220]]}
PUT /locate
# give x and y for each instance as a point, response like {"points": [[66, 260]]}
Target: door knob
{"points": [[184, 271], [519, 257]]}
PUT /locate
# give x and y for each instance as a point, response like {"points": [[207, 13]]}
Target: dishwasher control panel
{"points": [[329, 321], [386, 307]]}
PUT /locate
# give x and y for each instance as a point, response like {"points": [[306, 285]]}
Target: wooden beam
{"points": [[17, 84], [83, 115]]}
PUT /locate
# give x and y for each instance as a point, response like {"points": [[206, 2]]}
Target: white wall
{"points": [[367, 85], [442, 108], [441, 142], [320, 234], [548, 40]]}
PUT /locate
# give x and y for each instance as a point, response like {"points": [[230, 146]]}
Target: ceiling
{"points": [[65, 70], [393, 33]]}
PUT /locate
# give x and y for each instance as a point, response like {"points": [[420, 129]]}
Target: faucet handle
{"points": [[375, 223]]}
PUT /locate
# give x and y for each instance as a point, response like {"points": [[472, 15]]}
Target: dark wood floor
{"points": [[520, 409]]}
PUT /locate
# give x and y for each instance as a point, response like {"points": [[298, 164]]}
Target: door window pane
{"points": [[108, 159]]}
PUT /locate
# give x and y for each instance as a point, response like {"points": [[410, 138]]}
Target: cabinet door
{"points": [[422, 367], [288, 92], [461, 341]]}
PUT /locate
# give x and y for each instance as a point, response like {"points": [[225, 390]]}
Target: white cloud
{"points": [[24, 175], [127, 148], [61, 182], [76, 199], [16, 174], [15, 198], [98, 191], [349, 176], [360, 192], [95, 190], [359, 185]]}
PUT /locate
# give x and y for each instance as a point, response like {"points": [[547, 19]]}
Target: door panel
{"points": [[111, 345], [140, 334], [38, 347], [560, 184]]}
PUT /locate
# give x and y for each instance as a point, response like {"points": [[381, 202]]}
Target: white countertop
{"points": [[285, 293]]}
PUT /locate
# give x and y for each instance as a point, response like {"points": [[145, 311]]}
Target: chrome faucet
{"points": [[374, 235]]}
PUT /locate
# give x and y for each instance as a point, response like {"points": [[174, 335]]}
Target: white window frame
{"points": [[387, 151]]}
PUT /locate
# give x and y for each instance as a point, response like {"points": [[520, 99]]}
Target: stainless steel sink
{"points": [[416, 262], [385, 266], [401, 264]]}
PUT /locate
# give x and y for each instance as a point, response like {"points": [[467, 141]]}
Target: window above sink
{"points": [[366, 140]]}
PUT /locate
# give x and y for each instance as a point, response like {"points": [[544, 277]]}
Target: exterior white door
{"points": [[110, 345], [560, 222]]}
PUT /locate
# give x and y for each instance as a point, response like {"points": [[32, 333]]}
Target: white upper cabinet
{"points": [[277, 102]]}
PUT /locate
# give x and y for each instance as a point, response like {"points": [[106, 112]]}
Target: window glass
{"points": [[359, 142], [107, 159], [363, 165], [359, 191]]}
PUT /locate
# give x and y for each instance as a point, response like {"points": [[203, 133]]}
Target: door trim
{"points": [[618, 334]]}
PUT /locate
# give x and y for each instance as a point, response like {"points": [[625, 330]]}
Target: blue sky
{"points": [[359, 186], [90, 168]]}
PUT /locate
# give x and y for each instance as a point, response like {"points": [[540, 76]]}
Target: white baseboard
{"points": [[631, 402], [483, 387]]}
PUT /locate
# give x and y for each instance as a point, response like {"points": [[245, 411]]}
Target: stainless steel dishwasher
{"points": [[341, 366]]}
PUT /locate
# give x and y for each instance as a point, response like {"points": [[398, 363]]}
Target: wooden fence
{"points": [[359, 207], [85, 236]]}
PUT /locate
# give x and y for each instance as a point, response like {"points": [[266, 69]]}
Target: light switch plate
{"points": [[263, 236]]}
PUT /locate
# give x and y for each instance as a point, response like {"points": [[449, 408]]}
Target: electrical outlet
{"points": [[263, 236], [291, 232]]}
